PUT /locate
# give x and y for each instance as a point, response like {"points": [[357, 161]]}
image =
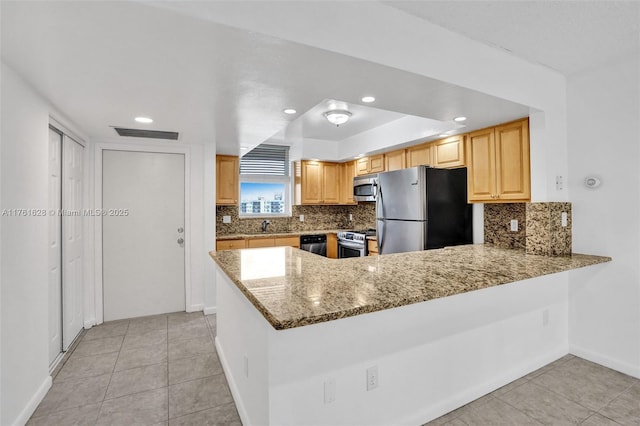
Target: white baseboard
{"points": [[475, 392], [210, 310], [195, 308], [242, 411], [614, 364], [31, 406], [89, 323]]}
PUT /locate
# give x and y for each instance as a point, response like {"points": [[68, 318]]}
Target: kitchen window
{"points": [[265, 182]]}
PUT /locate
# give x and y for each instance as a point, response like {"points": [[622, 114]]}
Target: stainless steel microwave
{"points": [[365, 187]]}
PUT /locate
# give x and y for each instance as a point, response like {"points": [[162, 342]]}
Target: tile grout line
{"points": [[112, 373]]}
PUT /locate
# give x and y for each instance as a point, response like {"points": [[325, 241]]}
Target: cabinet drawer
{"points": [[230, 244], [288, 241], [260, 242]]}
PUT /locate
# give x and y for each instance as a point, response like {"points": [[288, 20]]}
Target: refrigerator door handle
{"points": [[381, 236]]}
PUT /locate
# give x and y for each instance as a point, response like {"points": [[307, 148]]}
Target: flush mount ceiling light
{"points": [[368, 99], [289, 111], [459, 119], [337, 116], [145, 120]]}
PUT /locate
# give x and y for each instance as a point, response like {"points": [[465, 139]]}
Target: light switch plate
{"points": [[564, 220], [226, 219], [301, 218], [514, 225]]}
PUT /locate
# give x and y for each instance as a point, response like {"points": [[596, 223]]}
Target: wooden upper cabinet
{"points": [[227, 175], [311, 182], [481, 182], [395, 160], [448, 152], [513, 166], [347, 173], [331, 183], [371, 164], [498, 164], [419, 155]]}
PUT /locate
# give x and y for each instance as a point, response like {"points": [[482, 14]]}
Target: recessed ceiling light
{"points": [[368, 99], [289, 111], [444, 135], [145, 120], [460, 119]]}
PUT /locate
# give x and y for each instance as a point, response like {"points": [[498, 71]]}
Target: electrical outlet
{"points": [[514, 225], [226, 219], [563, 218], [329, 391], [350, 217], [545, 317], [301, 218], [372, 377], [246, 366]]}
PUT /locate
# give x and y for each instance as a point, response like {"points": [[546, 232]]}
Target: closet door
{"points": [[73, 241], [55, 245]]}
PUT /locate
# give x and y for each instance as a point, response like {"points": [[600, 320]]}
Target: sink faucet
{"points": [[265, 223]]}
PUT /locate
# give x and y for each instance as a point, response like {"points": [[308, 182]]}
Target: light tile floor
{"points": [[569, 391], [164, 370], [158, 370]]}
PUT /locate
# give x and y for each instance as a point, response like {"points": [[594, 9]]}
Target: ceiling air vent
{"points": [[153, 134]]}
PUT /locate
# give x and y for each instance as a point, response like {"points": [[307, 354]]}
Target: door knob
{"points": [[180, 240], [180, 230]]}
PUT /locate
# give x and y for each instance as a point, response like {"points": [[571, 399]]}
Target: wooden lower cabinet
{"points": [[260, 242], [332, 246], [231, 244], [372, 247], [287, 241], [293, 241]]}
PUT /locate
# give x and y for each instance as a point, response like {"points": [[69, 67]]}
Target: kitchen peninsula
{"points": [[442, 327]]}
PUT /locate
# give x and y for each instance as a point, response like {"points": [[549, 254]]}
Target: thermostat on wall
{"points": [[592, 182]]}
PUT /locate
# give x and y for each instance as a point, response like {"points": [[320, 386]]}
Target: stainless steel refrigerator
{"points": [[422, 208]]}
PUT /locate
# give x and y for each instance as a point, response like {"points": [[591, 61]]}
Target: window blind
{"points": [[265, 159]]}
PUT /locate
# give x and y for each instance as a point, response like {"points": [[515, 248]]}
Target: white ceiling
{"points": [[104, 63], [568, 36]]}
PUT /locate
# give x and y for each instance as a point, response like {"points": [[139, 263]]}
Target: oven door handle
{"points": [[349, 244]]}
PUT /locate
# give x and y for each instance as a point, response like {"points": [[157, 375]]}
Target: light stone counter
{"points": [[293, 288]]}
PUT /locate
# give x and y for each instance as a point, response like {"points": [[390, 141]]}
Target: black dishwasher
{"points": [[316, 244]]}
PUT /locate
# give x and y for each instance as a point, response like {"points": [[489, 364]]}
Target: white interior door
{"points": [[55, 250], [72, 245], [142, 256]]}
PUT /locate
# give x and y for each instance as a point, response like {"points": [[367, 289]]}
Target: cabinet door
{"points": [[448, 152], [348, 172], [362, 166], [512, 161], [481, 181], [395, 160], [226, 179], [287, 241], [311, 182], [376, 163], [260, 242], [332, 246], [419, 155], [230, 244], [331, 183]]}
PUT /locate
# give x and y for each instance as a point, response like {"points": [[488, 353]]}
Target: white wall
{"points": [[604, 133], [24, 333]]}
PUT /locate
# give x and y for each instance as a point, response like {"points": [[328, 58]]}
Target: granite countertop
{"points": [[293, 288], [274, 234]]}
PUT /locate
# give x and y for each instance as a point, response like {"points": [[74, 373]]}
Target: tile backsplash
{"points": [[540, 227], [315, 218]]}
